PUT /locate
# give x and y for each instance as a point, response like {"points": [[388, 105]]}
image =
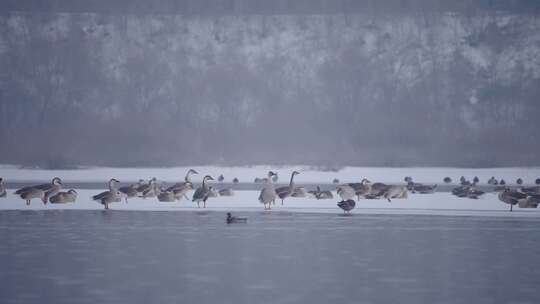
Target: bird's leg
{"points": [[198, 205], [126, 199], [511, 207], [27, 202], [204, 204], [282, 202], [186, 196]]}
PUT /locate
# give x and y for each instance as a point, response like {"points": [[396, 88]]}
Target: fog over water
{"points": [[237, 82]]}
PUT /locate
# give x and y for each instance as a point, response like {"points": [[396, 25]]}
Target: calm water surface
{"points": [[194, 257]]}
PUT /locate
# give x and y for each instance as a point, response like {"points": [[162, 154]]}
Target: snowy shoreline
{"points": [[443, 204]]}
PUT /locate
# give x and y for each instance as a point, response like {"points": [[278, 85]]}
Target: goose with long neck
{"points": [[187, 179], [202, 193], [284, 192], [268, 193], [110, 196], [41, 191]]}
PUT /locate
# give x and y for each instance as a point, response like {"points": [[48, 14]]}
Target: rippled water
{"points": [[194, 257]]}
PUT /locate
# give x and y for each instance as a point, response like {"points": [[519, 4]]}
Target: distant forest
{"points": [[238, 82]]}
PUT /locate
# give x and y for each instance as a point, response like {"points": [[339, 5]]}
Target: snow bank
{"points": [[428, 204]]}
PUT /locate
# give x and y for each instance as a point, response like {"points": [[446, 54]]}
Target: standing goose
{"points": [[268, 193], [34, 191], [64, 197], [347, 205], [3, 192], [202, 193], [284, 192], [110, 196], [180, 189], [511, 197]]}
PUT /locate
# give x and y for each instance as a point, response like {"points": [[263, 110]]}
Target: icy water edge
{"points": [[69, 256]]}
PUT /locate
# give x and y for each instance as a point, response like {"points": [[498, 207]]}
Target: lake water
{"points": [[75, 256]]}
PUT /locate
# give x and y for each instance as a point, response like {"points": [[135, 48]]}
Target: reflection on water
{"points": [[194, 257]]}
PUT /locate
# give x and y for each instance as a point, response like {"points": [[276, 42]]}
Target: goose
{"points": [[234, 219], [202, 193], [166, 196], [32, 193], [180, 189], [395, 192], [235, 180], [474, 193], [284, 192], [47, 189], [346, 192], [268, 192], [347, 205], [362, 188], [377, 190], [148, 190], [422, 189], [221, 178], [131, 190], [64, 197], [3, 192], [532, 201], [531, 190], [511, 197], [110, 196], [461, 191], [318, 194], [299, 192], [226, 192], [447, 180]]}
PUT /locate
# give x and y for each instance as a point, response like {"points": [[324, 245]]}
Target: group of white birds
{"points": [[524, 197]]}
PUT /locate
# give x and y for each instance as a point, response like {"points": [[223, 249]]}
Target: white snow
{"points": [[308, 175], [245, 201]]}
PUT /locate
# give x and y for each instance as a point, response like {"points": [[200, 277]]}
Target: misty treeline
{"points": [[425, 88]]}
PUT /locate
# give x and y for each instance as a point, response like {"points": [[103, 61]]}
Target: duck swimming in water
{"points": [[234, 219]]}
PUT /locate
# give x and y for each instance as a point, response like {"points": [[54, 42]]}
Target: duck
{"points": [[221, 178], [234, 219], [203, 192], [335, 181], [268, 192], [3, 192], [474, 193], [64, 197], [110, 196], [235, 180], [519, 181], [43, 191], [422, 189], [530, 190], [511, 197], [492, 181], [537, 181], [347, 205], [447, 180]]}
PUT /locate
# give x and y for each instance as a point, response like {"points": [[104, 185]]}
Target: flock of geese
{"points": [[523, 197]]}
